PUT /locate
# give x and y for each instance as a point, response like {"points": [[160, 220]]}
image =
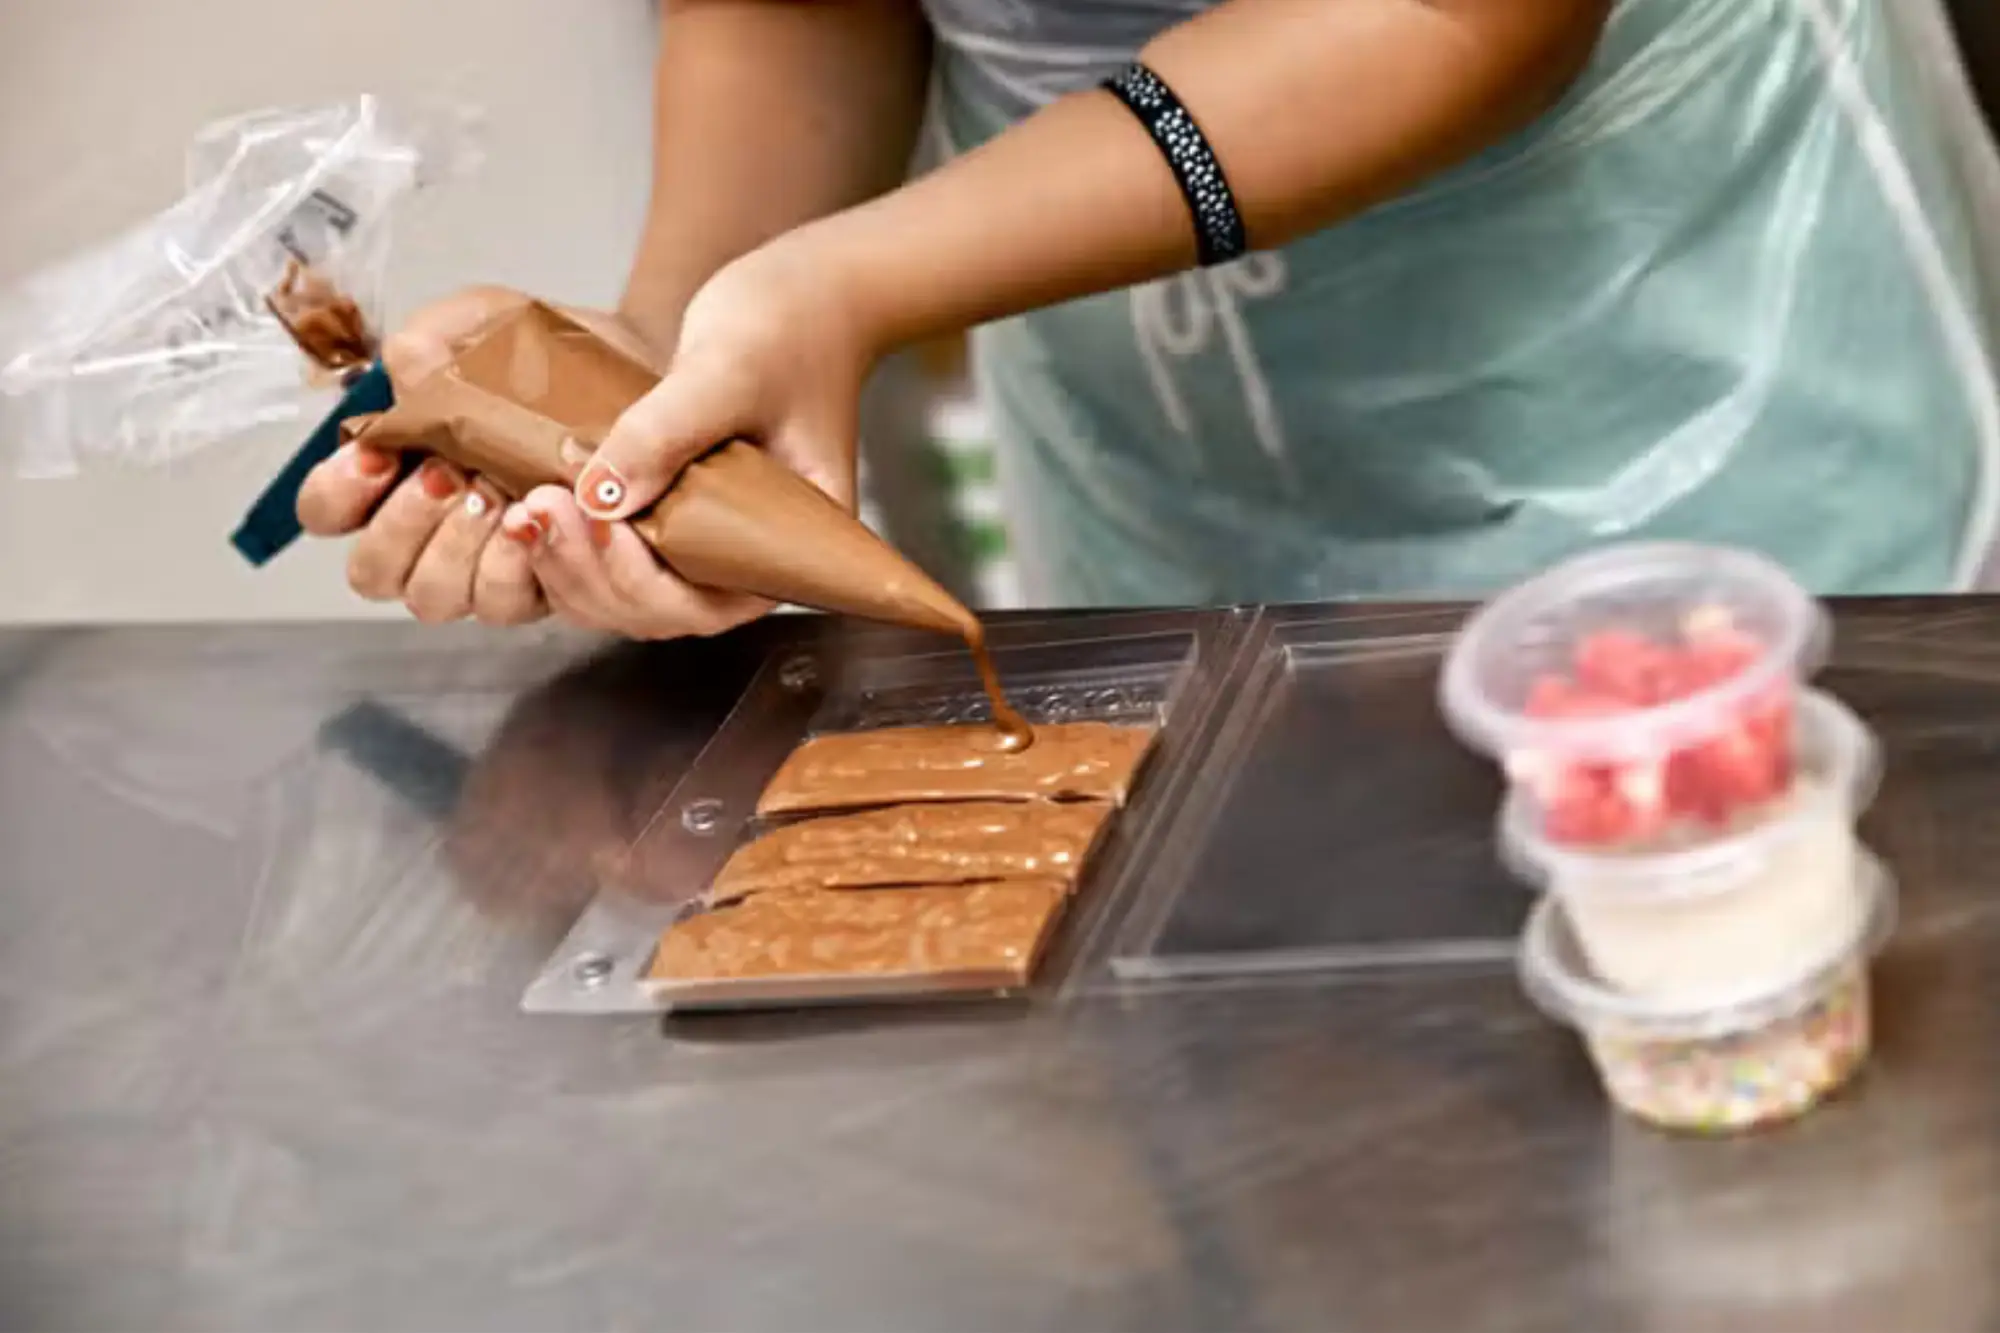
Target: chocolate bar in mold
{"points": [[1165, 672], [945, 843], [857, 946], [1069, 761]]}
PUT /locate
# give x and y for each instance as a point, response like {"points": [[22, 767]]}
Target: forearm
{"points": [[1316, 109], [768, 114]]}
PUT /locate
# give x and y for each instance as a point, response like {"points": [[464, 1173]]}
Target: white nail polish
{"points": [[475, 504], [608, 493]]}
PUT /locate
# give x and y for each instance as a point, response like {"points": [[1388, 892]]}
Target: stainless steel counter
{"points": [[268, 900]]}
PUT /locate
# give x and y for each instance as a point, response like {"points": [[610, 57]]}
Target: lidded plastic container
{"points": [[1638, 688], [1758, 899], [1752, 1054]]}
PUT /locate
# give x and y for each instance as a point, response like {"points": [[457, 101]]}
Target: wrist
{"points": [[812, 281], [851, 279], [652, 321]]}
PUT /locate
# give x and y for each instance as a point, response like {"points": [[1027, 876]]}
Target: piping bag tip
{"points": [[741, 520]]}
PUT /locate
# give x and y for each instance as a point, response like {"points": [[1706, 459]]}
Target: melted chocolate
{"points": [[1015, 733], [981, 935], [327, 325], [854, 770], [918, 844]]}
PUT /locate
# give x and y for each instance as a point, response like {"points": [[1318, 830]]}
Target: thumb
{"points": [[687, 414]]}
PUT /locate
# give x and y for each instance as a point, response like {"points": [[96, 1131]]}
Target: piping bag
{"points": [[529, 380]]}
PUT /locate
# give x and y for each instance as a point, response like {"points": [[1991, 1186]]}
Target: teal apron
{"points": [[1722, 293]]}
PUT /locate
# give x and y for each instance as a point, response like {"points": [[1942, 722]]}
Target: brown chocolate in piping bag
{"points": [[532, 380], [327, 325]]}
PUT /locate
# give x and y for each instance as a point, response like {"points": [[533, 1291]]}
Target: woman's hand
{"points": [[767, 352], [437, 541]]}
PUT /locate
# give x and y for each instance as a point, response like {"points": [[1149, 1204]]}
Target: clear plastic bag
{"points": [[157, 343]]}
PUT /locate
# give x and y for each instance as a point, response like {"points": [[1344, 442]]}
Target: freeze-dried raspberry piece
{"points": [[1746, 763]]}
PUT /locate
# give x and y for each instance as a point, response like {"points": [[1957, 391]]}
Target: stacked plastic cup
{"points": [[1689, 804]]}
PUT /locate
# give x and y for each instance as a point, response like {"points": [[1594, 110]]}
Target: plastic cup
{"points": [[1758, 902], [1639, 755], [1734, 1061]]}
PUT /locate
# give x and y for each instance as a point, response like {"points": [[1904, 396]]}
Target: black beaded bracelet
{"points": [[1218, 227]]}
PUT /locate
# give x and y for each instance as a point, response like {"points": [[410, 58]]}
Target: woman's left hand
{"points": [[767, 353]]}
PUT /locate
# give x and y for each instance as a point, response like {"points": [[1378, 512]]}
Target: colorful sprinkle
{"points": [[1744, 1079]]}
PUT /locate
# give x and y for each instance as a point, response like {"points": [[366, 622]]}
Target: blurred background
{"points": [[99, 98]]}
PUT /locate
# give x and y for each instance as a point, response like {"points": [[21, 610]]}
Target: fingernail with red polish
{"points": [[527, 530], [600, 535], [439, 481], [373, 463], [601, 490]]}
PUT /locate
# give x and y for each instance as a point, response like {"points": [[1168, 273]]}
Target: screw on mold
{"points": [[702, 817], [799, 674], [590, 970]]}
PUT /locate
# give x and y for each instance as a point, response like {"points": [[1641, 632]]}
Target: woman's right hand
{"points": [[436, 541]]}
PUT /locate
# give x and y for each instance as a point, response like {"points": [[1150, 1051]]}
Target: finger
{"points": [[605, 576], [575, 616], [688, 413], [440, 586], [564, 564], [654, 602], [387, 550], [530, 528], [341, 492], [824, 455], [505, 590]]}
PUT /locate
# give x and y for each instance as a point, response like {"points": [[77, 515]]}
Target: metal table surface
{"points": [[264, 927]]}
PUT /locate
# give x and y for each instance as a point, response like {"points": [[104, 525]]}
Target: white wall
{"points": [[97, 101]]}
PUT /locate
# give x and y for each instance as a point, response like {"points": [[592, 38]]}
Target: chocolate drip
{"points": [[1015, 733]]}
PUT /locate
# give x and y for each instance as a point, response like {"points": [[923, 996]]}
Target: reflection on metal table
{"points": [[271, 899]]}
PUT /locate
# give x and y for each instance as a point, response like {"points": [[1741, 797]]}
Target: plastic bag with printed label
{"points": [[158, 343]]}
